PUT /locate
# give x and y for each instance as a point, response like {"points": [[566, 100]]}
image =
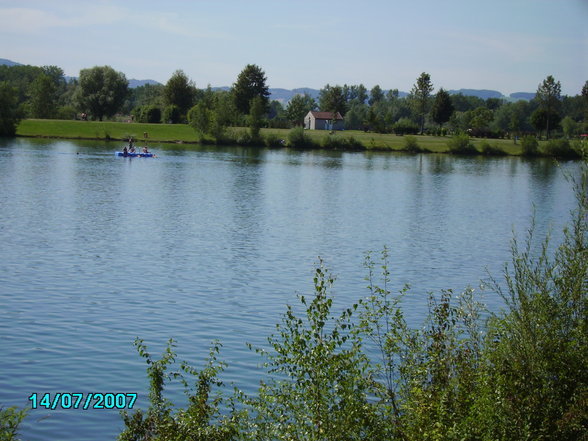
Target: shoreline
{"points": [[108, 131]]}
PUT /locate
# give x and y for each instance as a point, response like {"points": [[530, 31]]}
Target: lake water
{"points": [[212, 243]]}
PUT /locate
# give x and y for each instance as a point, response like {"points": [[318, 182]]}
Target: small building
{"points": [[323, 121]]}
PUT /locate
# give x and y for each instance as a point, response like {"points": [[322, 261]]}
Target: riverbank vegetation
{"points": [[365, 373], [244, 114], [297, 137]]}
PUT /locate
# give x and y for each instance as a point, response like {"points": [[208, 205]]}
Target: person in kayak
{"points": [[145, 149]]}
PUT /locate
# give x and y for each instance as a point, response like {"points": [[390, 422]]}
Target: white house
{"points": [[323, 121]]}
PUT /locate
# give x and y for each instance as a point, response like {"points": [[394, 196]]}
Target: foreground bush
{"points": [[201, 420], [10, 419]]}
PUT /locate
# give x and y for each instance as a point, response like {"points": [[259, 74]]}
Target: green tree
{"points": [[224, 114], [357, 93], [420, 98], [584, 95], [376, 95], [251, 83], [356, 117], [569, 126], [392, 95], [494, 103], [519, 119], [481, 118], [549, 97], [180, 91], [298, 107], [213, 113], [463, 103], [200, 118], [147, 95], [43, 97], [101, 91], [255, 118], [333, 99], [542, 119], [9, 114], [442, 108]]}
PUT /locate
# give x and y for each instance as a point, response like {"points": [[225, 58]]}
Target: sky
{"points": [[505, 45]]}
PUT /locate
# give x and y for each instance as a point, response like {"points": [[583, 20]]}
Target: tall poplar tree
{"points": [[585, 100], [549, 97], [420, 98]]}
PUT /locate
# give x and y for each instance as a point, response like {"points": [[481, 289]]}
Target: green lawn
{"points": [[105, 130], [173, 133]]}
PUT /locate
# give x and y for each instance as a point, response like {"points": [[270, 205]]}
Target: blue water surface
{"points": [[205, 243]]}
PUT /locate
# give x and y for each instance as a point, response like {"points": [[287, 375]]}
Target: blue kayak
{"points": [[134, 155]]}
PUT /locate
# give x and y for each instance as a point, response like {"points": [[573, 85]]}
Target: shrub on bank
{"points": [[560, 148], [411, 145], [298, 138], [334, 141], [405, 126], [147, 114], [491, 150], [273, 140], [530, 146], [461, 144]]}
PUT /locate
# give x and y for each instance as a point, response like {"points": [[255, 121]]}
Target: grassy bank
{"points": [[181, 133], [105, 130]]}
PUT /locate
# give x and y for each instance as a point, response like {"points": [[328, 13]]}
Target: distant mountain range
{"points": [[5, 62], [285, 95]]}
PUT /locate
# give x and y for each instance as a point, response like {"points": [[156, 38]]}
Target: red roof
{"points": [[325, 115]]}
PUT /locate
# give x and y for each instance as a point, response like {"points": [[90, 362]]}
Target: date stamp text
{"points": [[84, 401]]}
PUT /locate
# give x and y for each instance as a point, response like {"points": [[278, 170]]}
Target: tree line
{"points": [[101, 92]]}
